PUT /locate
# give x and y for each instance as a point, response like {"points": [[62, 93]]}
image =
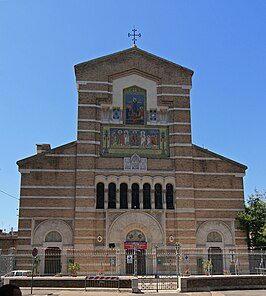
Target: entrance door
{"points": [[135, 258], [140, 264], [216, 256], [52, 261]]}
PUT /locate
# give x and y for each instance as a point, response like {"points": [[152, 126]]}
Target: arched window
{"points": [[146, 196], [135, 196], [53, 236], [169, 196], [112, 196], [100, 196], [123, 196], [158, 196], [214, 237]]}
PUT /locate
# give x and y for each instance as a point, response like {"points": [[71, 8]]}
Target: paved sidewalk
{"points": [[81, 292]]}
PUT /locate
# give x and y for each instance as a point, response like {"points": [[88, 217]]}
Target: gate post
{"points": [[177, 256], [134, 284]]}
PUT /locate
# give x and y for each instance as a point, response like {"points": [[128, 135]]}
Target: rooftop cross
{"points": [[134, 35]]}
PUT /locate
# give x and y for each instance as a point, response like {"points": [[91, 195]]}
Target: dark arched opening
{"points": [[146, 196], [52, 264], [112, 196], [123, 196], [158, 196], [135, 196], [100, 196], [169, 196]]}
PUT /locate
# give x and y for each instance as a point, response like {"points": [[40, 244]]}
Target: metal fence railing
{"points": [[159, 261]]}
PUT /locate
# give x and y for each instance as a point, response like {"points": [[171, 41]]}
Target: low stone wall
{"points": [[65, 282], [186, 284], [219, 283]]}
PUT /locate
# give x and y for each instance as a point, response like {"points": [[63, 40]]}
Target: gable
{"points": [[37, 159], [133, 58], [200, 153]]}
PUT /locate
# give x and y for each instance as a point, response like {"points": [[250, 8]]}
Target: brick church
{"points": [[132, 177]]}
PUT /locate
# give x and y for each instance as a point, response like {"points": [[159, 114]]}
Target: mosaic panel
{"points": [[121, 141], [135, 105]]}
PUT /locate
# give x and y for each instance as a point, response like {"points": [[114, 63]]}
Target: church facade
{"points": [[132, 180]]}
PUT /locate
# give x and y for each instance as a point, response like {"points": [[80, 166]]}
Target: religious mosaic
{"points": [[124, 141], [135, 105]]}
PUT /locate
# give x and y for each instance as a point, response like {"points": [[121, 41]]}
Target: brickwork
{"points": [[60, 183]]}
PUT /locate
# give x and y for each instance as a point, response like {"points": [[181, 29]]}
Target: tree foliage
{"points": [[253, 220]]}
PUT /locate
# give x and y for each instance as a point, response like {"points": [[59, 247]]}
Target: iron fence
{"points": [[157, 283], [159, 261]]}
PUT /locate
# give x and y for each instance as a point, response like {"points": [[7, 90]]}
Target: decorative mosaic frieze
{"points": [[123, 141]]}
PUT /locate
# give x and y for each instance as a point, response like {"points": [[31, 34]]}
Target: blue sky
{"points": [[223, 42]]}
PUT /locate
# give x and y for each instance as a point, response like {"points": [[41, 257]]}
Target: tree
{"points": [[253, 220]]}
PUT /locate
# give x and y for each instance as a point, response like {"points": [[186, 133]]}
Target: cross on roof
{"points": [[134, 35]]}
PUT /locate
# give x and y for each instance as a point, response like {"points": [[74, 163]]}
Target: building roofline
{"points": [[132, 49], [220, 156], [21, 161]]}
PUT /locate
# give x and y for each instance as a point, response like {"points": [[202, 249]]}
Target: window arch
{"points": [[146, 196], [112, 196], [53, 236], [135, 196], [169, 196], [100, 196], [158, 196], [135, 236], [214, 237], [123, 196]]}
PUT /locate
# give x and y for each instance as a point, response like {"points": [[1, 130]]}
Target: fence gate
{"points": [[52, 261], [7, 263], [158, 283]]}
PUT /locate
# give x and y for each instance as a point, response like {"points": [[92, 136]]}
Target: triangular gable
{"points": [[126, 52], [51, 151], [215, 155]]}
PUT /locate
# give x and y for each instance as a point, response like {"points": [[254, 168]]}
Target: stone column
{"points": [[117, 198], [141, 198], [129, 198], [106, 198], [152, 199], [164, 198]]}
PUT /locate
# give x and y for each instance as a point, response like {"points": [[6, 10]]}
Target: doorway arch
{"points": [[135, 256], [52, 264], [215, 254]]}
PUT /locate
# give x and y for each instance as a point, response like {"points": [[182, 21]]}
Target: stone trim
{"points": [[179, 109], [46, 208], [95, 91], [178, 123], [178, 134], [84, 82], [47, 196], [61, 155], [219, 210], [89, 142], [90, 105], [89, 131], [88, 155], [183, 86], [89, 120], [180, 145], [50, 187], [173, 95]]}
